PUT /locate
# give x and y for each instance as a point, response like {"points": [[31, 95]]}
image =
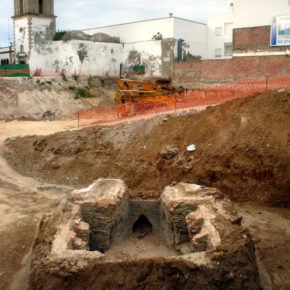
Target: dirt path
{"points": [[23, 200]]}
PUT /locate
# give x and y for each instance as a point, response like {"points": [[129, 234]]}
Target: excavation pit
{"points": [[186, 238]]}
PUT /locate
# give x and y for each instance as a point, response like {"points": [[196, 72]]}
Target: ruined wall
{"points": [[90, 58], [167, 57], [95, 58], [146, 53], [43, 30], [238, 68]]}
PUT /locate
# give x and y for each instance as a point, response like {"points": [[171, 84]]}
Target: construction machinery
{"points": [[134, 91]]}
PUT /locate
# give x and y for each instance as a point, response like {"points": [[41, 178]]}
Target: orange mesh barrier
{"points": [[197, 99]]}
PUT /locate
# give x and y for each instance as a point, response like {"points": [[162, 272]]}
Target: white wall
{"points": [[95, 58], [42, 30], [218, 41], [150, 56], [194, 35], [4, 53], [190, 31], [253, 13], [21, 34], [137, 31], [77, 57]]}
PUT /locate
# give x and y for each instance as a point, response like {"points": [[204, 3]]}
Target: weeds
{"points": [[76, 77], [82, 93], [63, 76]]}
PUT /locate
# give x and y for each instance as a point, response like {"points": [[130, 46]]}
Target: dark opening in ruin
{"points": [[142, 225]]}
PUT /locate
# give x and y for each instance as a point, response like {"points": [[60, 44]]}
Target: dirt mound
{"points": [[29, 99], [241, 148]]}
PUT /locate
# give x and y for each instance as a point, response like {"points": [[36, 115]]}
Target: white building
{"points": [[193, 34], [154, 44], [6, 55], [220, 35]]}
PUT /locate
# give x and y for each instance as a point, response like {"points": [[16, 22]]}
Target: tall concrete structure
{"points": [[34, 24]]}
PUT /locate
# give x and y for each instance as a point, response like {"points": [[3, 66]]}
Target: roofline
{"points": [[144, 21]]}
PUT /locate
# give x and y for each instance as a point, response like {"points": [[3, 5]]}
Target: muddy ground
{"points": [[241, 148]]}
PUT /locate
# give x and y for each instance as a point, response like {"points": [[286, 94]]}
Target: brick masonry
{"points": [[238, 68], [253, 39]]}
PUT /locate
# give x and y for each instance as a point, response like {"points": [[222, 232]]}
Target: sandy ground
{"points": [[23, 200]]}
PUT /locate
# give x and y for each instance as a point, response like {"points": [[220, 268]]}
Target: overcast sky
{"points": [[79, 14]]}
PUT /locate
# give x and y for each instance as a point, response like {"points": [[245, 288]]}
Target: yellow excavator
{"points": [[134, 91]]}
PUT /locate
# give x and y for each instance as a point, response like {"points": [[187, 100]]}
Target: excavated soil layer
{"points": [[241, 148]]}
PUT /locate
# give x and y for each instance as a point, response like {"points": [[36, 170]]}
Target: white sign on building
{"points": [[280, 31]]}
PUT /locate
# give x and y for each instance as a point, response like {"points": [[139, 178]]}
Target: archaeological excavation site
{"points": [[192, 198], [151, 154]]}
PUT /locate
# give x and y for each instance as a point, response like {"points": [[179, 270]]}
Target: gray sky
{"points": [[79, 14]]}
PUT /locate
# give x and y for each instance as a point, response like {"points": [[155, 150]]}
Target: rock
{"points": [[169, 152], [79, 244], [75, 34]]}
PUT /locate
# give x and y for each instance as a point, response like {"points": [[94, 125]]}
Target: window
{"points": [[218, 52], [4, 61], [40, 7], [21, 48], [218, 31], [228, 28], [228, 49]]}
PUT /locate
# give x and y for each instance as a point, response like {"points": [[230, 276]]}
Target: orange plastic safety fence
{"points": [[197, 99]]}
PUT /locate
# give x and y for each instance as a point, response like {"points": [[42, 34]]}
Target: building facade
{"points": [[248, 29], [34, 25]]}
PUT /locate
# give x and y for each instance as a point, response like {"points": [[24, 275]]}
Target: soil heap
{"points": [[241, 149]]}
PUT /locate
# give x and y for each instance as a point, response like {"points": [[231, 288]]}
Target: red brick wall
{"points": [[253, 39], [238, 68]]}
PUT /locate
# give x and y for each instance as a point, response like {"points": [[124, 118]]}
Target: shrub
{"points": [[82, 93], [63, 76], [76, 77], [72, 88]]}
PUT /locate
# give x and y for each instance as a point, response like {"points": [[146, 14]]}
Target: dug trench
{"points": [[241, 149]]}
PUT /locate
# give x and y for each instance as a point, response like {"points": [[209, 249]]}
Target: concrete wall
{"points": [[219, 22], [137, 31], [249, 13]]}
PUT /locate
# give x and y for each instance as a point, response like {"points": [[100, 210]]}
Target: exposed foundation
{"points": [[190, 230]]}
